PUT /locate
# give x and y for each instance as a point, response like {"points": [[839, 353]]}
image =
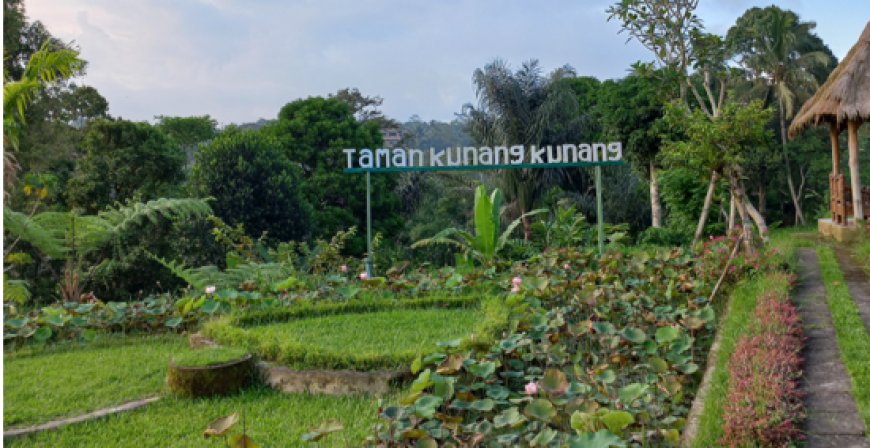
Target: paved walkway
{"points": [[832, 418]]}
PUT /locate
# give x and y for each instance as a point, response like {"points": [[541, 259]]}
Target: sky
{"points": [[242, 60]]}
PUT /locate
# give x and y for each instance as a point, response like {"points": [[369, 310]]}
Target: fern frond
{"points": [[80, 234], [198, 278], [15, 291], [260, 273], [125, 218], [47, 241]]}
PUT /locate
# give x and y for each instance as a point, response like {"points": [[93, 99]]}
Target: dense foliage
{"points": [[604, 352], [254, 184], [123, 161], [312, 133]]}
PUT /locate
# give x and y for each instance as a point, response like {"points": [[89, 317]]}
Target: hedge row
{"points": [[763, 404]]}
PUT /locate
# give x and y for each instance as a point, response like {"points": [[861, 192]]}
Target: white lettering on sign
{"points": [[484, 156]]}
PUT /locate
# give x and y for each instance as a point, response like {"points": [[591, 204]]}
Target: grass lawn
{"points": [[360, 341], [742, 304], [40, 385], [852, 337], [272, 419]]}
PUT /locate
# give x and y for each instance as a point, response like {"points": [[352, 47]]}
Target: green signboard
{"points": [[471, 158]]}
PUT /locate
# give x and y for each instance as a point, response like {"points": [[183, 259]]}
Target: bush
{"points": [[254, 184], [663, 236], [763, 406]]}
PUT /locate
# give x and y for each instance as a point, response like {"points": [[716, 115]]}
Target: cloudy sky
{"points": [[239, 61]]}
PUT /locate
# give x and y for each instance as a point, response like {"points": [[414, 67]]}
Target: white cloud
{"points": [[242, 60]]}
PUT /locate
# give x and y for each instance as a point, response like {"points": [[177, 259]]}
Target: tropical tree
{"points": [[721, 146], [486, 241], [188, 132], [312, 133], [45, 67], [254, 184], [695, 59], [123, 161], [523, 107], [629, 109], [785, 61]]}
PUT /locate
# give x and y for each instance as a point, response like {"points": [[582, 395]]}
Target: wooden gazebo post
{"points": [[838, 204], [854, 172]]}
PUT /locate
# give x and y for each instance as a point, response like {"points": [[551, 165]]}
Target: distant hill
{"points": [[434, 134], [257, 124]]}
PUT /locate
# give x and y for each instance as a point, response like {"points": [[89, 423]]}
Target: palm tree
{"points": [[46, 66], [522, 107], [784, 60]]}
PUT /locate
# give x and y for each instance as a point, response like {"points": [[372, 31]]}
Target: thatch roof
{"points": [[845, 95]]}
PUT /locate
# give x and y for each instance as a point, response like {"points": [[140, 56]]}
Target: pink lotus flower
{"points": [[516, 281], [363, 276], [210, 289], [532, 388], [344, 269], [566, 266]]}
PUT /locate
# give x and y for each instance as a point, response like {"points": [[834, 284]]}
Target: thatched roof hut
{"points": [[844, 96], [843, 102]]}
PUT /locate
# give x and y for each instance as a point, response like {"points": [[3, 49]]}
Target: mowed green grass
{"points": [[379, 333], [272, 419], [41, 385]]}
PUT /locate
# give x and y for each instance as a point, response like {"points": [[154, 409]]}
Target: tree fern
{"points": [[16, 291], [63, 234], [23, 227]]}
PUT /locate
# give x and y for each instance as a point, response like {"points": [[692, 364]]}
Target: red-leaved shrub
{"points": [[763, 406]]}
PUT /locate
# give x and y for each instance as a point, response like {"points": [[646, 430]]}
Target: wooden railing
{"points": [[841, 200]]}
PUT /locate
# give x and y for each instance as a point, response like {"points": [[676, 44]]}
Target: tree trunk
{"points": [[756, 216], [762, 199], [796, 200], [654, 197], [739, 195], [732, 213], [699, 231], [527, 229]]}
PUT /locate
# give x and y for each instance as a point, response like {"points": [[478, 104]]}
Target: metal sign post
{"points": [[600, 209], [369, 255]]}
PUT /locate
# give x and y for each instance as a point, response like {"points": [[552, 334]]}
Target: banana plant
{"points": [[486, 242]]}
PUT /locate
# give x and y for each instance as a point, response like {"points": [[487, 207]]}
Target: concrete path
{"points": [[832, 417]]}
